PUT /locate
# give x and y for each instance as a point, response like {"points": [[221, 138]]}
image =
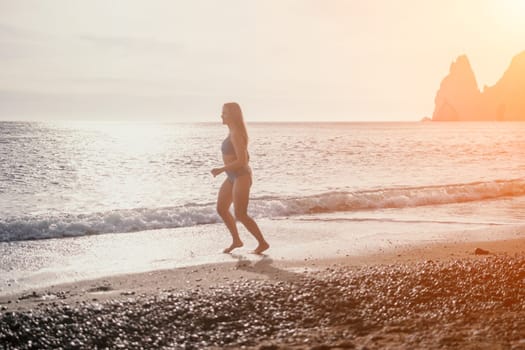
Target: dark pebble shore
{"points": [[471, 303]]}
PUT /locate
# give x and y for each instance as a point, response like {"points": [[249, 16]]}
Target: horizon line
{"points": [[204, 121]]}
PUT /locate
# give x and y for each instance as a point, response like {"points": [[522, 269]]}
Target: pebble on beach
{"points": [[422, 305], [480, 251]]}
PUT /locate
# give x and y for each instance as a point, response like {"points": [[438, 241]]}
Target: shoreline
{"points": [[246, 267], [35, 265]]}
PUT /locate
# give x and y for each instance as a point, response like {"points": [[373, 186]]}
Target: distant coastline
{"points": [[459, 98]]}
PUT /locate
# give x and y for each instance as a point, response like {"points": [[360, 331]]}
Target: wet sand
{"points": [[431, 296]]}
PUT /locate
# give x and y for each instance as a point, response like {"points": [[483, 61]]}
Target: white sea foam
{"points": [[130, 220]]}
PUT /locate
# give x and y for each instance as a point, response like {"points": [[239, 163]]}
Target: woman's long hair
{"points": [[238, 121]]}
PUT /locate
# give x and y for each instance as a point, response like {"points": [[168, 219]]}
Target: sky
{"points": [[282, 60]]}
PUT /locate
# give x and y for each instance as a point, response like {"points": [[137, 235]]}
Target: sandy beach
{"points": [[433, 295]]}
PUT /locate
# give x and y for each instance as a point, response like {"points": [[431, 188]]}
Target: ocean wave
{"points": [[131, 220], [399, 197], [115, 221]]}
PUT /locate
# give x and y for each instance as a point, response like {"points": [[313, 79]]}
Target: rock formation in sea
{"points": [[459, 98]]}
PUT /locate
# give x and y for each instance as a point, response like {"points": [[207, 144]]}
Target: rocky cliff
{"points": [[459, 99]]}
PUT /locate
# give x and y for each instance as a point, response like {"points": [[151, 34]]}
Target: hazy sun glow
{"points": [[282, 60], [509, 16]]}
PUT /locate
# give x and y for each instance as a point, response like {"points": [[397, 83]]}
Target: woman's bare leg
{"points": [[224, 201], [241, 196]]}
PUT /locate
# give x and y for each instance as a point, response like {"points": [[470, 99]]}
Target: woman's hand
{"points": [[216, 171]]}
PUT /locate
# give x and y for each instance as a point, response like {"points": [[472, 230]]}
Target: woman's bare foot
{"points": [[261, 248], [232, 247]]}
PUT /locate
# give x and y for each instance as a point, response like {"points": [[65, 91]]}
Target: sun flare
{"points": [[511, 12]]}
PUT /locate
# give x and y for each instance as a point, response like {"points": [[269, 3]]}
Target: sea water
{"points": [[63, 179], [80, 200]]}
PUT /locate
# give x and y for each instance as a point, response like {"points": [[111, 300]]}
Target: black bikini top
{"points": [[227, 146]]}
